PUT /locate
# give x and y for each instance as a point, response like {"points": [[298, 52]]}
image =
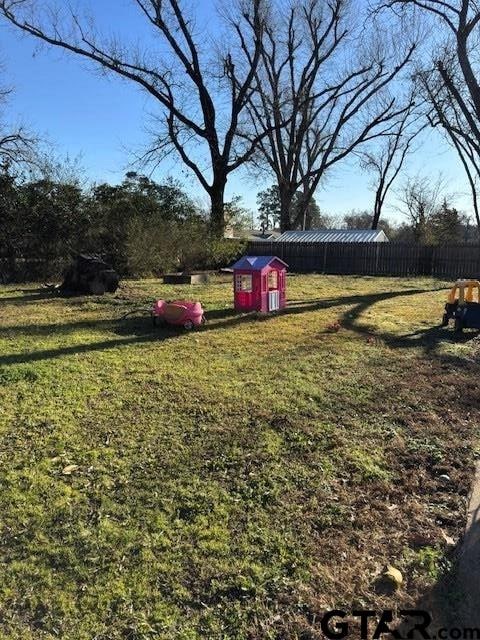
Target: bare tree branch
{"points": [[387, 160], [316, 109], [452, 85], [187, 97]]}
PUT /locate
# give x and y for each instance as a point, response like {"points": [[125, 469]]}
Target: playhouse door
{"points": [[273, 300]]}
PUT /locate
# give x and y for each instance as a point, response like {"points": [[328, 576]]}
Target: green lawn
{"points": [[232, 482]]}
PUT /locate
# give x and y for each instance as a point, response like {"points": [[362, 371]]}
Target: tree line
{"points": [[142, 227], [290, 90], [428, 215], [139, 226]]}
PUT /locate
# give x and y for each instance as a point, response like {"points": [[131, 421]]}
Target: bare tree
{"points": [[16, 144], [190, 89], [444, 114], [16, 152], [451, 84], [313, 107], [387, 159], [419, 199]]}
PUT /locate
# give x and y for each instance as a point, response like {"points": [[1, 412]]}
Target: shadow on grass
{"points": [[453, 602], [141, 325], [29, 295], [427, 339], [447, 601], [139, 330]]}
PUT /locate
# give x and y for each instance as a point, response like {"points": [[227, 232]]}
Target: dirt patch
{"points": [[411, 520]]}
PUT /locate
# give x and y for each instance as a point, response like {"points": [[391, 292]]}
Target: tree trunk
{"points": [[11, 264], [286, 197], [217, 211], [303, 213], [377, 210], [308, 217]]}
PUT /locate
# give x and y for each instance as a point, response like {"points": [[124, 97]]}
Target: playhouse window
{"points": [[243, 283], [273, 280]]}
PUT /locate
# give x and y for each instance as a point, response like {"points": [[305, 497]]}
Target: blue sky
{"points": [[102, 119]]}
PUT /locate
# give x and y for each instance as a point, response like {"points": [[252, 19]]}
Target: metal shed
{"points": [[334, 235]]}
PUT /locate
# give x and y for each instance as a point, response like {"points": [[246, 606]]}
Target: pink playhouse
{"points": [[259, 283]]}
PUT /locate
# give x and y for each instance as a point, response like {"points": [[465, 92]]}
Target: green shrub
{"points": [[222, 252], [160, 246], [150, 249]]}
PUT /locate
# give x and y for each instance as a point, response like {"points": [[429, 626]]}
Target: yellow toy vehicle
{"points": [[463, 305]]}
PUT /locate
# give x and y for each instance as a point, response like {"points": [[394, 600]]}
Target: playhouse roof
{"points": [[257, 263]]}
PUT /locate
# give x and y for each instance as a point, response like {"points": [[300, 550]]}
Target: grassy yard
{"points": [[234, 482]]}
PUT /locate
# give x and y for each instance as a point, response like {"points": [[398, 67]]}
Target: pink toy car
{"points": [[184, 313]]}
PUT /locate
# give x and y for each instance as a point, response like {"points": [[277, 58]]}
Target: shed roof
{"points": [[334, 235], [254, 234], [256, 263]]}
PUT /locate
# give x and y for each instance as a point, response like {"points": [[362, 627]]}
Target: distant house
{"points": [[334, 235], [253, 235]]}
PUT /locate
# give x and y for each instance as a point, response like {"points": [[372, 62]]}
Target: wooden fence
{"points": [[382, 258], [375, 258]]}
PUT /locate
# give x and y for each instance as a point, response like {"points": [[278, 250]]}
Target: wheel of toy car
{"points": [[458, 325], [188, 325], [445, 320]]}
